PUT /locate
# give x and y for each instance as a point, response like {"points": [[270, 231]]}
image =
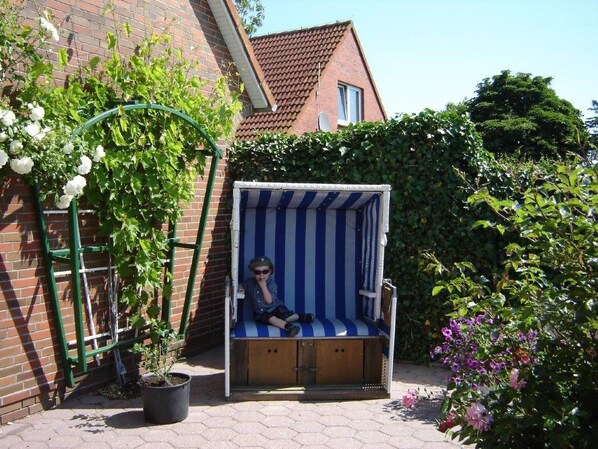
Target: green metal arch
{"points": [[72, 254], [130, 107]]}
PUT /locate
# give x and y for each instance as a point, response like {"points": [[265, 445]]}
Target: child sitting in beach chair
{"points": [[267, 306]]}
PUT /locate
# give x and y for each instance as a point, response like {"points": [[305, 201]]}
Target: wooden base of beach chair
{"points": [[306, 362]]}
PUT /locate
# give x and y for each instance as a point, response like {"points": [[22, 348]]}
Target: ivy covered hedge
{"points": [[430, 160]]}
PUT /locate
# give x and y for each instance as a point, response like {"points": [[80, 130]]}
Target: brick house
{"points": [[320, 80], [31, 375]]}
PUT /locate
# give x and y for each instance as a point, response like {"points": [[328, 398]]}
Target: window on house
{"points": [[349, 104]]}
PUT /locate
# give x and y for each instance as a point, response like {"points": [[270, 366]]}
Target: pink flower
{"points": [[410, 399], [514, 381], [478, 417]]}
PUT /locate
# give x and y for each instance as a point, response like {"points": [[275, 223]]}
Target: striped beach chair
{"points": [[327, 244]]}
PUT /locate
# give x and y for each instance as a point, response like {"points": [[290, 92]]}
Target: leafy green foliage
{"points": [[163, 351], [146, 161], [152, 158], [252, 14], [592, 125], [33, 141], [547, 289], [23, 52], [522, 114], [425, 158]]}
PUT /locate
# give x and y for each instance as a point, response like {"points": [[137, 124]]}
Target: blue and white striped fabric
{"points": [[319, 328], [324, 246]]}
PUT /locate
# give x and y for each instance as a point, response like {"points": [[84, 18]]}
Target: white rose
{"points": [[64, 201], [68, 148], [85, 166], [49, 29], [22, 166], [75, 186], [3, 158], [37, 113], [99, 153], [33, 129], [15, 146], [7, 117], [3, 136], [42, 134]]}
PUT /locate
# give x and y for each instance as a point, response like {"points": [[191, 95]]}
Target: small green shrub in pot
{"points": [[163, 351]]}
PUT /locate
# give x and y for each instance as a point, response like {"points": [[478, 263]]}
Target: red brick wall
{"points": [[346, 66], [31, 376]]}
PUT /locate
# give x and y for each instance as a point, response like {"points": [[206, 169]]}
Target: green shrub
{"points": [[523, 348]]}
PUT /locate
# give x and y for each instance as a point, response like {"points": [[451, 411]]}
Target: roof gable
{"points": [[231, 27], [291, 62]]}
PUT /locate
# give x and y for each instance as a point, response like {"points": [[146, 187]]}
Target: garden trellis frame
{"points": [[72, 254]]}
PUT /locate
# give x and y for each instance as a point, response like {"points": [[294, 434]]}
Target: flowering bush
{"points": [[33, 143], [44, 155], [486, 363], [523, 349]]}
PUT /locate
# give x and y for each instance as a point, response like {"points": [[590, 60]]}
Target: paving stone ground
{"points": [[94, 422]]}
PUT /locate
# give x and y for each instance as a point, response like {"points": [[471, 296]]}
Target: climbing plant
{"points": [[137, 169]]}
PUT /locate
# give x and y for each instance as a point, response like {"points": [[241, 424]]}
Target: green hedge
{"points": [[421, 157]]}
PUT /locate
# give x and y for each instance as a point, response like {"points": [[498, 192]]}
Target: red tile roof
{"points": [[290, 61]]}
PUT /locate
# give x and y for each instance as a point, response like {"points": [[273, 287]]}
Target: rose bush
{"points": [[34, 143]]}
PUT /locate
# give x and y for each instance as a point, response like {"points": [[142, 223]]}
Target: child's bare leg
{"points": [[277, 322], [294, 317]]}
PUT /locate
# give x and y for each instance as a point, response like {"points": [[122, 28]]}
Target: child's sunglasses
{"points": [[261, 271]]}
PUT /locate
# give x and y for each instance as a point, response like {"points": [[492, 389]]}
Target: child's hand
{"points": [[264, 286]]}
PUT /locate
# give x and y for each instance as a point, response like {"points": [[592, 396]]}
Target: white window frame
{"points": [[348, 89]]}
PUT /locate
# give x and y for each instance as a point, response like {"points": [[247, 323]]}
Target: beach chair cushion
{"points": [[338, 327]]}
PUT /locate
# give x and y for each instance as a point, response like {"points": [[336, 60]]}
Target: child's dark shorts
{"points": [[280, 312]]}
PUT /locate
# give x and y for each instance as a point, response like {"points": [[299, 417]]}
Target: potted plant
{"points": [[165, 394]]}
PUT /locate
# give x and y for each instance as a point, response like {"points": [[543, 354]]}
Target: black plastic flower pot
{"points": [[166, 404]]}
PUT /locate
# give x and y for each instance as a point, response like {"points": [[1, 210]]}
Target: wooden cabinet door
{"points": [[272, 362], [340, 361]]}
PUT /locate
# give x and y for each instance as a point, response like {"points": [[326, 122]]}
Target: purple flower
{"points": [[448, 334], [521, 336], [478, 417], [472, 363]]}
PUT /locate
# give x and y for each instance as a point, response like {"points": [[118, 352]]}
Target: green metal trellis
{"points": [[72, 254]]}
